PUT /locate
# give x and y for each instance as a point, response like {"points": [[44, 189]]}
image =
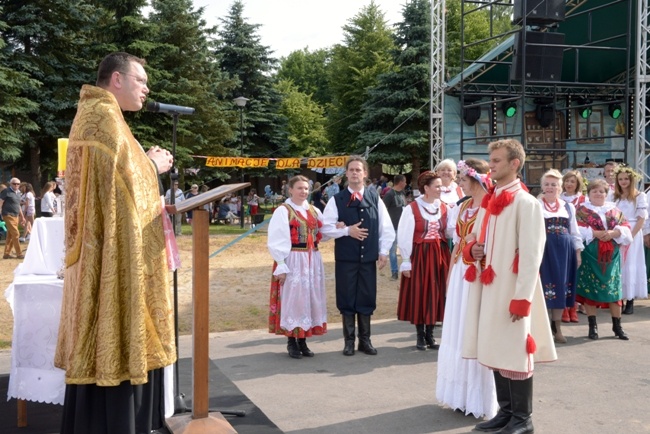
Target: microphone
{"points": [[157, 107]]}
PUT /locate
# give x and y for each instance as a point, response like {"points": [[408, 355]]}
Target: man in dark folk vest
{"points": [[360, 223]]}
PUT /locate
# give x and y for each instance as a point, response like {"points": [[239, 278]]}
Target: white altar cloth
{"points": [[36, 305], [45, 251]]}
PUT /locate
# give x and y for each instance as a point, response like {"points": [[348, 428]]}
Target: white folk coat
{"points": [[490, 335]]}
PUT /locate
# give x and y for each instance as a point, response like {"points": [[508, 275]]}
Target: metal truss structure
{"points": [[641, 109], [437, 96]]}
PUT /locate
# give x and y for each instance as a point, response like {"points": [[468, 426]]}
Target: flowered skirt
{"points": [[599, 284]]}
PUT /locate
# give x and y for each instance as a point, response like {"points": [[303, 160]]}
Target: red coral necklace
{"points": [[551, 208]]}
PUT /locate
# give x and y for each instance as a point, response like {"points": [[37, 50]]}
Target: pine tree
{"points": [[244, 58], [15, 109], [183, 70], [47, 40], [396, 115], [365, 54]]}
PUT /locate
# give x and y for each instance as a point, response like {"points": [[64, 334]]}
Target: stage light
{"points": [[585, 111], [544, 114], [509, 108], [615, 110], [471, 115]]}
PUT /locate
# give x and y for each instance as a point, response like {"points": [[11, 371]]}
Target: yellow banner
{"points": [[280, 163], [250, 163], [325, 162], [287, 163]]}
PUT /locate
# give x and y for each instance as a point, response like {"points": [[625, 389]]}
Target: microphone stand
{"points": [[179, 398]]}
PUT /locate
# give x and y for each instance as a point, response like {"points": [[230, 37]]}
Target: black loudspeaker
{"points": [[543, 63], [539, 12]]}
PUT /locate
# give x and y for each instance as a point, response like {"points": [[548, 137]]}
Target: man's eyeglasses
{"points": [[140, 80], [15, 183]]}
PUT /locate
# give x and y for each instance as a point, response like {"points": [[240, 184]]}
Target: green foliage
{"points": [[306, 121], [183, 70], [355, 66], [396, 113], [476, 28], [308, 70], [245, 59]]}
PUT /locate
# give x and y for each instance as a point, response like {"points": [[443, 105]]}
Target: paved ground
{"points": [[595, 387]]}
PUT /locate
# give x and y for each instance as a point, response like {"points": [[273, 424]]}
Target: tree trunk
{"points": [[35, 167], [415, 171]]}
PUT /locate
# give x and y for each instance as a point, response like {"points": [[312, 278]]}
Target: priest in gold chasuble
{"points": [[116, 330]]}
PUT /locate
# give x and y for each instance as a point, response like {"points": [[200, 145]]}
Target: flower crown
{"points": [[624, 168], [465, 170]]}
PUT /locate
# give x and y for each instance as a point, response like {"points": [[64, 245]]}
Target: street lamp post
{"points": [[241, 103]]}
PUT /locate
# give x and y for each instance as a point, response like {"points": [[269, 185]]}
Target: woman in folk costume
{"points": [[463, 384], [603, 228], [298, 306], [450, 192], [634, 206], [572, 186], [422, 241], [561, 252]]}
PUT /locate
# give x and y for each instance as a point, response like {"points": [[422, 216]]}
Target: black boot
{"points": [[521, 393], [364, 335], [292, 348], [348, 334], [428, 337], [304, 350], [618, 330], [629, 307], [593, 327], [419, 343], [502, 385]]}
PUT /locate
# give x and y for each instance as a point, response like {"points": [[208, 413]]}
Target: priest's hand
{"points": [[162, 158]]}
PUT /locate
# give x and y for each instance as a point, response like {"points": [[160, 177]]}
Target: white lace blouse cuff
{"points": [[281, 269]]}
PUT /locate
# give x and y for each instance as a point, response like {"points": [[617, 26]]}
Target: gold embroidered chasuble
{"points": [[116, 318]]}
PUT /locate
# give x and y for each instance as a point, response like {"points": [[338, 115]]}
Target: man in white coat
{"points": [[507, 327]]}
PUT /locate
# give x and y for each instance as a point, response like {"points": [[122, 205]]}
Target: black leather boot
{"points": [[593, 327], [629, 307], [618, 330], [364, 335], [292, 348], [419, 343], [430, 340], [348, 334], [503, 416], [521, 394], [304, 350]]}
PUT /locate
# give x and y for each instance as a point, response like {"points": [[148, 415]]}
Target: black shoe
{"points": [[304, 350], [430, 340], [521, 394], [629, 307], [348, 334], [593, 327], [394, 276], [364, 335], [292, 349], [618, 330], [419, 343]]}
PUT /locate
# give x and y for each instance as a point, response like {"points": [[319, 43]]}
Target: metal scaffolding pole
{"points": [[641, 114], [437, 94]]}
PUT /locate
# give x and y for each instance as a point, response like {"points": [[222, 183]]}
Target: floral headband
{"points": [[482, 179], [624, 168]]}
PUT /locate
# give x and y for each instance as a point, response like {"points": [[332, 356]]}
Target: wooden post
{"points": [[201, 420]]}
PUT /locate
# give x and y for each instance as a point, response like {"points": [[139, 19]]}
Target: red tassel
{"points": [[486, 200], [470, 273], [487, 276], [497, 204], [515, 263], [531, 346]]}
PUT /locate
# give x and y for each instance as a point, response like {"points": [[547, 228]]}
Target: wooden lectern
{"points": [[201, 421]]}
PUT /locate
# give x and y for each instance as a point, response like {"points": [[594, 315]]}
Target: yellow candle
{"points": [[63, 152]]}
